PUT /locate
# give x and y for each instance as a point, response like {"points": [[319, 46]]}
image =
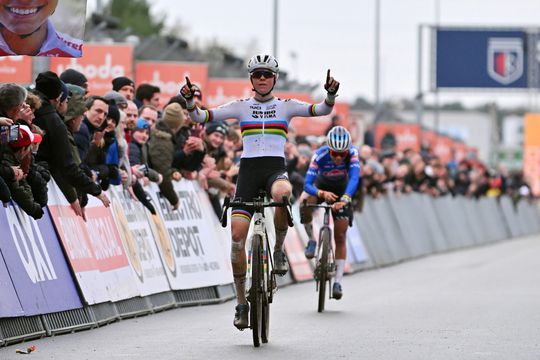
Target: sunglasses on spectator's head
{"points": [[341, 154], [257, 74]]}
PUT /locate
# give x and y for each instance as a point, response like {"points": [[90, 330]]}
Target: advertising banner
{"points": [[397, 136], [222, 91], [428, 139], [138, 238], [100, 64], [36, 263], [295, 243], [170, 76], [9, 302], [356, 251], [109, 251], [531, 151], [192, 252], [16, 69], [475, 58], [94, 249]]}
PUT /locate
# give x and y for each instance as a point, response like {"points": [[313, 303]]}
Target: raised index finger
{"points": [[328, 75], [188, 82]]}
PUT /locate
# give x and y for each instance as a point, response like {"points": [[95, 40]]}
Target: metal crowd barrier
{"points": [[393, 229]]}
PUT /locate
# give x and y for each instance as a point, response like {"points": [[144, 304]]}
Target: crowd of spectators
{"points": [[87, 143]]}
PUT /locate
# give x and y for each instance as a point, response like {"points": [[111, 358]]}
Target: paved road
{"points": [[481, 303]]}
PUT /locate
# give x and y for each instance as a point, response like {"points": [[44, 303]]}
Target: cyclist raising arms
{"points": [[264, 121], [332, 177]]}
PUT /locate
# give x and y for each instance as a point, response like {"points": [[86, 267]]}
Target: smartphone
{"points": [[9, 133], [13, 133]]}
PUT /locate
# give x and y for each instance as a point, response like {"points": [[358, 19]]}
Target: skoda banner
{"points": [[10, 305]]}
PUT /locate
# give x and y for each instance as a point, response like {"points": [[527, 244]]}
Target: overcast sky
{"points": [[339, 35]]}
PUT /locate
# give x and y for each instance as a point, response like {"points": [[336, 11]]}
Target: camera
{"points": [[144, 169], [9, 133]]}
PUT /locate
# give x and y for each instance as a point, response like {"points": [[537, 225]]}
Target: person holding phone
{"points": [[264, 122], [26, 29]]}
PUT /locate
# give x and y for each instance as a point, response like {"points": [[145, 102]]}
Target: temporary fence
{"points": [[61, 274]]}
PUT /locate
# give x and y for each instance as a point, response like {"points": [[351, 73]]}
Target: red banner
{"points": [[443, 148], [404, 136], [16, 69], [170, 76], [100, 64]]}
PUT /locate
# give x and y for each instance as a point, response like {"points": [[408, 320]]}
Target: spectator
{"points": [[124, 86], [74, 77], [19, 154], [138, 153], [147, 94], [149, 113], [55, 149], [117, 99], [132, 114], [91, 130], [161, 149]]}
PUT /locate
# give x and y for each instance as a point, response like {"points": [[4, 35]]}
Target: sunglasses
{"points": [[340, 154], [260, 73]]}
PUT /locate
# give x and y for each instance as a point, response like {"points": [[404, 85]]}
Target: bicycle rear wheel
{"points": [[257, 290], [323, 267]]}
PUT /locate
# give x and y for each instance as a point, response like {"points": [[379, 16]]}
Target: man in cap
{"points": [[71, 76]]}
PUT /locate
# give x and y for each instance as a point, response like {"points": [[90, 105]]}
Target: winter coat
{"points": [[161, 153], [182, 161], [21, 192], [55, 150]]}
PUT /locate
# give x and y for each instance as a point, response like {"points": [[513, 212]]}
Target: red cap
{"points": [[26, 137]]}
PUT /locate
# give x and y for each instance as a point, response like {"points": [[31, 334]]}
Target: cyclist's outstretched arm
{"points": [[230, 110], [298, 108]]}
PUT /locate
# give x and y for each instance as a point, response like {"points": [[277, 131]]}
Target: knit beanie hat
{"points": [[115, 98], [114, 114], [173, 116], [142, 125], [70, 76], [120, 82], [49, 84], [217, 126]]}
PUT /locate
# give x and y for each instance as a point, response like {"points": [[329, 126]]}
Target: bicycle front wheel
{"points": [[257, 289], [323, 267]]}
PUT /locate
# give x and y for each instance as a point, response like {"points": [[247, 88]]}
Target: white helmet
{"points": [[267, 62], [338, 139]]}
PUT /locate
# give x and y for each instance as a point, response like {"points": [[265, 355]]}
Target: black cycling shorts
{"points": [[257, 174], [338, 188]]}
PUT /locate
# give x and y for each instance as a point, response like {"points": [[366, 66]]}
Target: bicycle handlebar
{"points": [[258, 204]]}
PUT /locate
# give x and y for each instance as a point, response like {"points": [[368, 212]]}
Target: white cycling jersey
{"points": [[56, 44], [264, 125]]}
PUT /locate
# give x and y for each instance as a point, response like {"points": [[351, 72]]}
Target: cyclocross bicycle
{"points": [[260, 264], [325, 261]]}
